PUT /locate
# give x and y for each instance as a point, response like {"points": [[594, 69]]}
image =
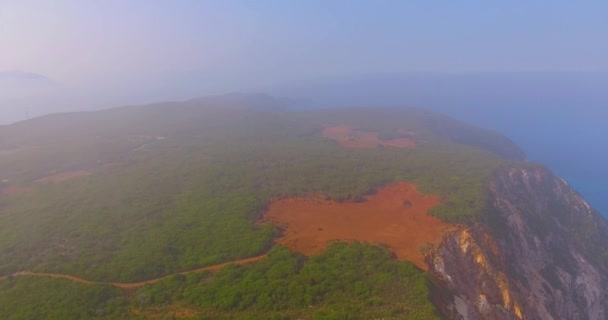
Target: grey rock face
{"points": [[541, 254]]}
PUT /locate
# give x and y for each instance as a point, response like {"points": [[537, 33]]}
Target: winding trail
{"points": [[135, 285]]}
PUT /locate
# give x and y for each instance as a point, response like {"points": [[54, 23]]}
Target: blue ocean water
{"points": [[573, 142]]}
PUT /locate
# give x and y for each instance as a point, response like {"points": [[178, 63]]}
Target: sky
{"points": [[239, 43]]}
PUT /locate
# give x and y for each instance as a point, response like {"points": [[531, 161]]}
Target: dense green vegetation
{"points": [[180, 211], [345, 282], [25, 298], [187, 185]]}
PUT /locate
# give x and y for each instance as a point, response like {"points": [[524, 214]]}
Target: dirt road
{"points": [[134, 285]]}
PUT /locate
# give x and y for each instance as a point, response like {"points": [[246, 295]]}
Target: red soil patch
{"points": [[14, 190], [63, 176], [396, 216], [353, 138]]}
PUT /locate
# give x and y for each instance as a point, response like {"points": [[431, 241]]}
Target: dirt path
{"points": [[53, 275], [215, 267], [135, 285]]}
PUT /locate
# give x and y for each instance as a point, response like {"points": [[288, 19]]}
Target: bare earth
{"points": [[352, 138], [311, 223]]}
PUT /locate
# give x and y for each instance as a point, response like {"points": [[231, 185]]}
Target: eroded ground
{"points": [[353, 138], [396, 216]]}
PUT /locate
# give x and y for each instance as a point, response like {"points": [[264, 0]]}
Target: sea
{"points": [[571, 141]]}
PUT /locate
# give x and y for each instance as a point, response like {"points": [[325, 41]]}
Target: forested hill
{"points": [[220, 114], [136, 193]]}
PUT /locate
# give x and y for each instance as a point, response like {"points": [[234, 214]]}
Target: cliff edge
{"points": [[537, 255]]}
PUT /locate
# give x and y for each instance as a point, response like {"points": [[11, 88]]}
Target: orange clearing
{"points": [[353, 138], [63, 176], [396, 216]]}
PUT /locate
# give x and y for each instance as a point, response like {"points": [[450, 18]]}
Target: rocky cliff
{"points": [[539, 254]]}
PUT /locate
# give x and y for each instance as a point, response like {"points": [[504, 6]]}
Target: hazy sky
{"points": [[270, 41]]}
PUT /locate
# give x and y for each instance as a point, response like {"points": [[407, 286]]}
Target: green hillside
{"points": [[177, 186]]}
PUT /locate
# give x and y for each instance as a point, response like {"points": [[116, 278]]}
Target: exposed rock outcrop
{"points": [[541, 254]]}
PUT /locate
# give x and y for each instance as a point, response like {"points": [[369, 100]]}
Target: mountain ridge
{"points": [[139, 192]]}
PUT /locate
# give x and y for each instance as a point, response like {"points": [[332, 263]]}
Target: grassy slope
{"points": [[192, 199]]}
